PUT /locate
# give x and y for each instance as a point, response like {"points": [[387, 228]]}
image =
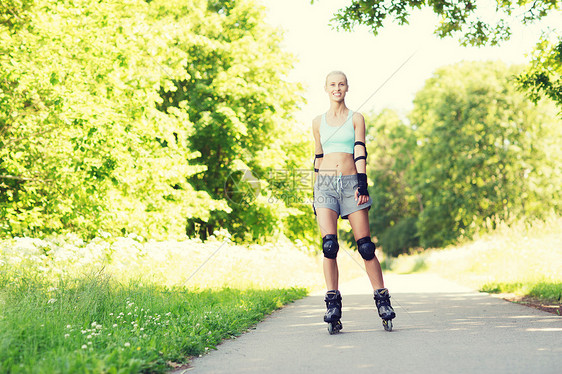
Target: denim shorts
{"points": [[338, 193]]}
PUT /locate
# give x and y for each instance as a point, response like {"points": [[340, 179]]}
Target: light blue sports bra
{"points": [[337, 138]]}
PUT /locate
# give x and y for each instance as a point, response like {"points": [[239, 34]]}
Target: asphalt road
{"points": [[440, 328]]}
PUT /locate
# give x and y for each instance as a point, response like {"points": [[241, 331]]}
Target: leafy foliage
{"points": [[543, 78], [81, 135], [455, 17], [475, 150], [129, 116], [484, 151], [15, 13]]}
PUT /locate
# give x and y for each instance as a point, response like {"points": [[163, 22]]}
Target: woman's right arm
{"points": [[318, 152]]}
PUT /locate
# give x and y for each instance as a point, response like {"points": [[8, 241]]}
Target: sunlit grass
{"points": [[95, 324], [525, 259], [125, 305]]}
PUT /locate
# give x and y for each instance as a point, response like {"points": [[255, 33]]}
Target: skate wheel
{"points": [[334, 327], [387, 323]]}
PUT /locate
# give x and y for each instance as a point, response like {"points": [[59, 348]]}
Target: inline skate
{"points": [[382, 301], [333, 311]]}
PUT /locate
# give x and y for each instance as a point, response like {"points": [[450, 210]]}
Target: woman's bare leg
{"points": [[360, 225], [327, 221]]}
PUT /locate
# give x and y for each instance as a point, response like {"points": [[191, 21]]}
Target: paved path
{"points": [[440, 328]]}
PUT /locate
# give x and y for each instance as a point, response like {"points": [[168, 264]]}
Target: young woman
{"points": [[340, 189]]}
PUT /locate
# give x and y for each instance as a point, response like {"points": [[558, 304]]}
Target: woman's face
{"points": [[336, 87]]}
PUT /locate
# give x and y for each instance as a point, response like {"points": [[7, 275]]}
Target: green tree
{"points": [[131, 116], [241, 106], [484, 152], [83, 145]]}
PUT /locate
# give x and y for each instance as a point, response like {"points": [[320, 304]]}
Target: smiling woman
{"points": [[340, 189]]}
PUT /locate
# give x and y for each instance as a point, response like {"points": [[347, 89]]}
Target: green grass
{"points": [[522, 258], [127, 305], [152, 304], [96, 324], [547, 291]]}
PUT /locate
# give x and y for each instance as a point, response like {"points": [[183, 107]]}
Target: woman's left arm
{"points": [[360, 158], [360, 149]]}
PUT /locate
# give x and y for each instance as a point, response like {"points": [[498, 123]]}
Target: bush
{"points": [[401, 237]]}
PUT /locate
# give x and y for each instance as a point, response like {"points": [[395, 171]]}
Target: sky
{"points": [[370, 60]]}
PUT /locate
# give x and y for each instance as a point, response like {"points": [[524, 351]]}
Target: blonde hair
{"points": [[335, 72]]}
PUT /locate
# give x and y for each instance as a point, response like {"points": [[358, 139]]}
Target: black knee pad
{"points": [[366, 248], [330, 246]]}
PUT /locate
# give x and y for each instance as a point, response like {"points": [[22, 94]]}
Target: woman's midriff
{"points": [[336, 163]]}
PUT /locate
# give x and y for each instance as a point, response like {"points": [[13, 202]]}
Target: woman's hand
{"points": [[361, 199]]}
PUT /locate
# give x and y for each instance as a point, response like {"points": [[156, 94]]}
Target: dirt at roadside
{"points": [[533, 302]]}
